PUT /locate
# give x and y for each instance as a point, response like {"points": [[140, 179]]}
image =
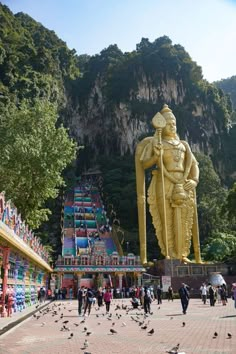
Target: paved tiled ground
{"points": [[44, 335]]}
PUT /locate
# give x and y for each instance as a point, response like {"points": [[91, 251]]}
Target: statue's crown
{"points": [[166, 109]]}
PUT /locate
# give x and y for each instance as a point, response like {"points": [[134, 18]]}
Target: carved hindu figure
{"points": [[171, 194]]}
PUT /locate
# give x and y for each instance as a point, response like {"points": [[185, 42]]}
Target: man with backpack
{"points": [[147, 301], [88, 301]]}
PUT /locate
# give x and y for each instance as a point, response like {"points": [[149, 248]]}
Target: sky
{"points": [[205, 28]]}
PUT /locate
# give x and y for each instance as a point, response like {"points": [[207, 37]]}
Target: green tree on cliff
{"points": [[34, 153]]}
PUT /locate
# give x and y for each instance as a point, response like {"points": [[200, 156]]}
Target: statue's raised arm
{"points": [[171, 194]]}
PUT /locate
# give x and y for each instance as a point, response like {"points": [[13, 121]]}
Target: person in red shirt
{"points": [[107, 299], [10, 294]]}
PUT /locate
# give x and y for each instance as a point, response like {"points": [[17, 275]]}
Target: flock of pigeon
{"points": [[143, 321]]}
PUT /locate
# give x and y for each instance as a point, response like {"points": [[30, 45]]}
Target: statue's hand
{"points": [[190, 184], [157, 147]]}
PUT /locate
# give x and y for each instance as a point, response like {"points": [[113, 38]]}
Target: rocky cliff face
{"points": [[116, 127], [118, 93]]}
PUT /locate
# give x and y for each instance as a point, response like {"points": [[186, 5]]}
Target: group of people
{"points": [[41, 294], [214, 293], [88, 297], [61, 293]]}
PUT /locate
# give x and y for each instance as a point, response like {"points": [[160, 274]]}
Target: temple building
{"points": [[91, 253], [23, 260]]}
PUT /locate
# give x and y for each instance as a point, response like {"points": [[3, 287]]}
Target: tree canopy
{"points": [[34, 153]]}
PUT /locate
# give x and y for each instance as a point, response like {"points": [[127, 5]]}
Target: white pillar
{"points": [[120, 275]]}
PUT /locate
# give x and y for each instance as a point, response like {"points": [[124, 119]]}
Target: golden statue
{"points": [[175, 177]]}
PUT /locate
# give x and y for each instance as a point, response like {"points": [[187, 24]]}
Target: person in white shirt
{"points": [[203, 290]]}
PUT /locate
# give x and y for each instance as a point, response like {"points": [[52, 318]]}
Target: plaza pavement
{"points": [[44, 335]]}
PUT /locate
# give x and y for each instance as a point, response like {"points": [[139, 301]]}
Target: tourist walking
{"points": [[147, 301], [203, 290], [170, 293], [159, 295], [71, 293], [234, 294], [100, 297], [107, 299], [41, 294], [56, 293], [212, 295], [88, 301], [223, 295], [184, 297], [80, 297]]}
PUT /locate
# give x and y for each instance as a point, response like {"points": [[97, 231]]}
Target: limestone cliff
{"points": [[110, 114]]}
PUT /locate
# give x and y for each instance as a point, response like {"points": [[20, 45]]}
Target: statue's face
{"points": [[170, 128]]}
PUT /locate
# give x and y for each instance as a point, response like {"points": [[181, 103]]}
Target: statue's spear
{"points": [[159, 123]]}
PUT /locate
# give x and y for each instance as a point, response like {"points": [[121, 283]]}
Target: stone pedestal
{"points": [[175, 268]]}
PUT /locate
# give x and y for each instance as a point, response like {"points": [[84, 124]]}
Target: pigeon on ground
{"points": [[174, 350], [215, 335], [113, 331], [183, 324], [229, 335], [151, 331], [86, 343]]}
